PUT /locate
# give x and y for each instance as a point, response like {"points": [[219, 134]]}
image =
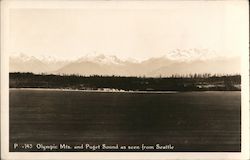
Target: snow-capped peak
{"points": [[46, 59], [23, 57], [191, 54], [52, 59], [101, 59]]}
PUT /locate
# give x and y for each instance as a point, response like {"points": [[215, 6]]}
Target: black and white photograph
{"points": [[130, 77]]}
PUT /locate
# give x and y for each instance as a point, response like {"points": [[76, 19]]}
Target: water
{"points": [[189, 121]]}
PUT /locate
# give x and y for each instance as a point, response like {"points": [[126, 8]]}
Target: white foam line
{"points": [[77, 90]]}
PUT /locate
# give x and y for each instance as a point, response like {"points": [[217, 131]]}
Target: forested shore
{"points": [[189, 82]]}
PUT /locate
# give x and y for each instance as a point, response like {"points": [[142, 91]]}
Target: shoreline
{"points": [[97, 91], [109, 91]]}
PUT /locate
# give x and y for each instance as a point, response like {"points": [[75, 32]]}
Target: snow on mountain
{"points": [[22, 57], [41, 64], [175, 62], [25, 63], [43, 58], [49, 59], [101, 59], [191, 54]]}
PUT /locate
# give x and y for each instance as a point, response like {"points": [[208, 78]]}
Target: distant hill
{"points": [[230, 65]]}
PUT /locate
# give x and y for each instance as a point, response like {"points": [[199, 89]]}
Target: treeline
{"points": [[188, 82]]}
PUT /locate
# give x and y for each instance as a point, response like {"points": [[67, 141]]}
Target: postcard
{"points": [[124, 79]]}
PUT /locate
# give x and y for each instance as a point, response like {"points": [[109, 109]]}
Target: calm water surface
{"points": [[190, 121]]}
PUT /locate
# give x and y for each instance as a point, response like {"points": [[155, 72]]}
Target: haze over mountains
{"points": [[175, 62]]}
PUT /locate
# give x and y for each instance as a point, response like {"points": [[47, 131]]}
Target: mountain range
{"points": [[175, 62]]}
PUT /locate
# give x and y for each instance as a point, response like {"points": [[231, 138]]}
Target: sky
{"points": [[131, 30]]}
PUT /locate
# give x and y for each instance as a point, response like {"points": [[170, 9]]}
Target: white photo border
{"points": [[7, 5]]}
